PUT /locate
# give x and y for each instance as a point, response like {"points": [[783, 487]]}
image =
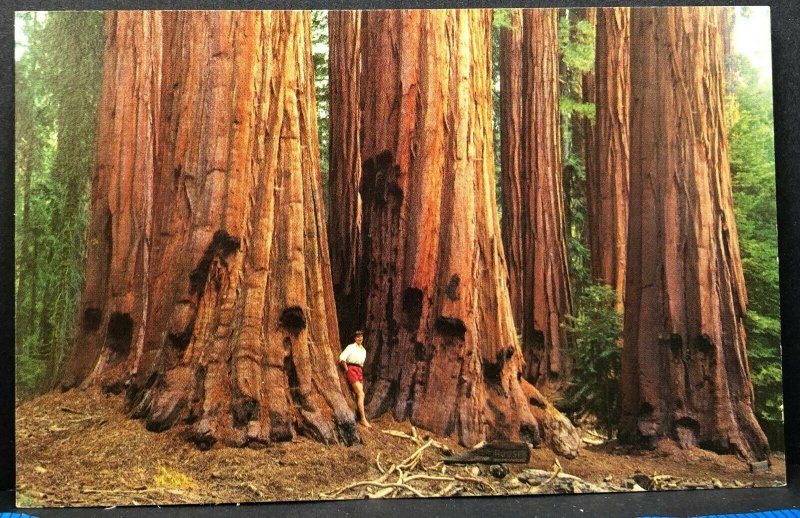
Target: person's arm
{"points": [[343, 357]]}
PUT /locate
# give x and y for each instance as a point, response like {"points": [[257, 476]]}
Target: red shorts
{"points": [[354, 373]]}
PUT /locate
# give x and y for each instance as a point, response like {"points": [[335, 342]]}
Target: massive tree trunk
{"points": [[607, 179], [119, 237], [208, 292], [440, 331], [685, 370], [511, 160], [546, 288], [344, 213]]}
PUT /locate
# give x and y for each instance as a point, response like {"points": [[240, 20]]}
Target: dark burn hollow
{"points": [[675, 343], [120, 334], [92, 318], [293, 319], [704, 345], [450, 327], [492, 371], [244, 410], [412, 307], [379, 175], [179, 341], [383, 160], [452, 287], [222, 245]]}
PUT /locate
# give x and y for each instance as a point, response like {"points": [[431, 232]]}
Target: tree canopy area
{"points": [[462, 190]]}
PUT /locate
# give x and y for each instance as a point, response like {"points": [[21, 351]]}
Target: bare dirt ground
{"points": [[80, 449]]}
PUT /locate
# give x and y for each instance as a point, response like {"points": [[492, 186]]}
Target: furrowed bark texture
{"points": [[546, 288], [237, 334], [511, 159], [440, 331], [114, 299], [344, 213], [607, 179], [685, 372]]}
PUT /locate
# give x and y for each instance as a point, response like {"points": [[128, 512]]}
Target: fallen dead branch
{"points": [[411, 469], [414, 437]]}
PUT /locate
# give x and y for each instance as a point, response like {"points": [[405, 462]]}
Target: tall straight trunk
{"points": [[584, 144], [685, 371], [511, 160], [440, 331], [546, 285], [344, 213], [727, 22], [607, 180], [114, 298], [222, 317]]}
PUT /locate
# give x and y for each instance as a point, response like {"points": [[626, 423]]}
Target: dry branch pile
{"points": [[414, 477]]}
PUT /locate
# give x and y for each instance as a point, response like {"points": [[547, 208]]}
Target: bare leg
{"points": [[359, 388]]}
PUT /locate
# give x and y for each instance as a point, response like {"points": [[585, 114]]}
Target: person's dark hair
{"points": [[358, 333]]}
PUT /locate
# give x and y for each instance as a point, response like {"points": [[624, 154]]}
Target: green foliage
{"points": [[576, 50], [593, 388], [752, 157], [502, 18], [319, 40], [57, 88]]}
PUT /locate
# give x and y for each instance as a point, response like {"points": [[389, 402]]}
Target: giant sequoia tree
{"points": [[685, 370], [607, 179], [439, 324], [534, 214], [344, 213], [208, 292]]}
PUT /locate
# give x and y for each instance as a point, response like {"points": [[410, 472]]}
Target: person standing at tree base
{"points": [[352, 360]]}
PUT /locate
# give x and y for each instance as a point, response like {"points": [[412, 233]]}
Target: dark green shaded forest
{"points": [[57, 89]]}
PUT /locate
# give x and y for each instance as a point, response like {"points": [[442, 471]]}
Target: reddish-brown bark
{"points": [[231, 327], [511, 159], [344, 213], [607, 179], [685, 371], [441, 336], [119, 241], [546, 288]]}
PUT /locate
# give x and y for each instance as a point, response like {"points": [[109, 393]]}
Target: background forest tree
{"points": [[57, 88]]}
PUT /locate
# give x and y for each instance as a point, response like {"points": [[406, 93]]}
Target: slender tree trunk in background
{"points": [[583, 129], [510, 159], [223, 315], [440, 331], [344, 213], [546, 287], [727, 23], [685, 371], [607, 179]]}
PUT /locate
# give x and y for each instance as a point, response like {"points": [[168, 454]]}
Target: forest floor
{"points": [[79, 449]]}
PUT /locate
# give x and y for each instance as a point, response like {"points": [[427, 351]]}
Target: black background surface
{"points": [[785, 16]]}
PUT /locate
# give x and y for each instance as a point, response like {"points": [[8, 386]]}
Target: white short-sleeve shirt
{"points": [[354, 354]]}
